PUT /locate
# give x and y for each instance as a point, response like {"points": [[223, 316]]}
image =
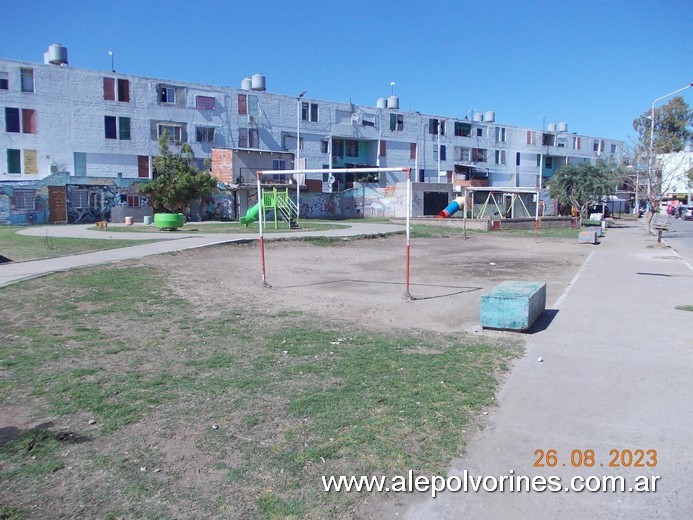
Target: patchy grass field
{"points": [[123, 398], [19, 248], [230, 227]]}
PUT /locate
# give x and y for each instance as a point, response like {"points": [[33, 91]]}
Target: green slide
{"points": [[251, 215]]}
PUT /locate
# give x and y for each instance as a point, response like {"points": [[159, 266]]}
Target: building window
{"points": [[352, 148], [243, 138], [80, 159], [14, 161], [461, 153], [435, 126], [442, 152], [124, 128], [412, 150], [204, 102], [396, 122], [124, 90], [242, 104], [480, 132], [133, 201], [28, 121], [204, 134], [109, 89], [25, 200], [613, 148], [175, 132], [538, 160], [30, 162], [143, 166], [167, 94], [463, 129], [500, 156], [598, 146], [324, 146], [517, 159], [278, 164], [110, 127], [79, 199], [548, 139], [531, 138], [500, 134], [548, 163], [27, 78], [338, 148], [576, 143], [309, 112], [254, 138], [117, 128], [4, 81], [382, 148], [479, 155], [12, 120], [253, 107]]}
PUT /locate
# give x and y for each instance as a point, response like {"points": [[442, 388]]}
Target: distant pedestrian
{"points": [[680, 210]]}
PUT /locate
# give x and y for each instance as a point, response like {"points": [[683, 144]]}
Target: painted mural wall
{"points": [[88, 199]]}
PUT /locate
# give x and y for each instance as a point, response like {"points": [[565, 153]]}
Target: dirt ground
{"points": [[364, 280], [359, 282]]}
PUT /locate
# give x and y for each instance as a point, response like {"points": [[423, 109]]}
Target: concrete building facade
{"points": [[101, 128]]}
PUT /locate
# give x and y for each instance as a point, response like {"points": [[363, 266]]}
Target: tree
{"points": [[176, 181], [671, 134], [582, 185]]}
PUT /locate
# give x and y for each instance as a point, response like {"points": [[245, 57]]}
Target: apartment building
{"points": [[76, 142]]}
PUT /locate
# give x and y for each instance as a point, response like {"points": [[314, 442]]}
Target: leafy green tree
{"points": [[671, 134], [176, 181], [582, 185], [671, 127]]}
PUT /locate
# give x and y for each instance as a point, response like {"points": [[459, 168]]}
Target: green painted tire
{"points": [[170, 221]]}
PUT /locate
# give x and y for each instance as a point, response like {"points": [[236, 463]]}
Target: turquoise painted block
{"points": [[513, 305], [587, 237]]}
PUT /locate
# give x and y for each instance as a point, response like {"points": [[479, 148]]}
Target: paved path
{"points": [[617, 374], [171, 241]]}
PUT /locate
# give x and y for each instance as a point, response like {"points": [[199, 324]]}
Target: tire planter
{"points": [[169, 221]]}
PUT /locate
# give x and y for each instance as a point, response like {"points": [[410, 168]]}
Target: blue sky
{"points": [[596, 65]]}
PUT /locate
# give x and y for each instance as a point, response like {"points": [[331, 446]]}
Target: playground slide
{"points": [[251, 215], [452, 208]]}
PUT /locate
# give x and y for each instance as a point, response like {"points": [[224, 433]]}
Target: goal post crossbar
{"points": [[406, 170]]}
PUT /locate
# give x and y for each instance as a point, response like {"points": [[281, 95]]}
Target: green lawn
{"points": [[21, 248], [266, 402]]}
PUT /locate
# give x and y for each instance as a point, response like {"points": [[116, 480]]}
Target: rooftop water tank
{"points": [[489, 116], [393, 102], [551, 127], [246, 84], [55, 55], [381, 103], [477, 117], [562, 126], [258, 82]]}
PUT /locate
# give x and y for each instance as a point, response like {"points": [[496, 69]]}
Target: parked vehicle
{"points": [[599, 208], [687, 213]]}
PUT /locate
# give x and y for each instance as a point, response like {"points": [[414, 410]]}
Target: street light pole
{"points": [[298, 152], [652, 125]]}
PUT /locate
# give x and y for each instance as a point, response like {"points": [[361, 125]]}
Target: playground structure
{"points": [[278, 202], [452, 208], [300, 174]]}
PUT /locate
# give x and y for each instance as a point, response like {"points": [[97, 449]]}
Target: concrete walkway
{"points": [[170, 241], [617, 374]]}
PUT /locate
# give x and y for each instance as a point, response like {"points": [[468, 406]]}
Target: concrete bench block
{"points": [[513, 305], [587, 237]]}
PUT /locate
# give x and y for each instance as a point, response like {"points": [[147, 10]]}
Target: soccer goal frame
{"points": [[294, 173]]}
